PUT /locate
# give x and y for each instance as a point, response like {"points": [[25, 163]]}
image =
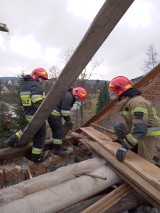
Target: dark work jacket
{"points": [[31, 96], [65, 105]]}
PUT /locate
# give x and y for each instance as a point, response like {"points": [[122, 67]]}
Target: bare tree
{"points": [[88, 71], [54, 72], [151, 61]]}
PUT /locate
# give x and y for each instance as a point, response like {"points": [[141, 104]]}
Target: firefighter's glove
{"points": [[69, 124], [121, 153]]}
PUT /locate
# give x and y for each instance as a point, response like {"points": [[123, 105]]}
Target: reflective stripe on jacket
{"points": [[140, 117], [31, 96], [65, 105]]}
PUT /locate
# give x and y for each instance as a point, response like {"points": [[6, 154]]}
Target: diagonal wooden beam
{"points": [[104, 22]]}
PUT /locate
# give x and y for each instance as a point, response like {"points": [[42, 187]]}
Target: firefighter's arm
{"points": [[66, 105], [37, 96], [138, 131], [139, 124]]}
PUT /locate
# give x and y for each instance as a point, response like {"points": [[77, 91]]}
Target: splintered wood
{"points": [[140, 174]]}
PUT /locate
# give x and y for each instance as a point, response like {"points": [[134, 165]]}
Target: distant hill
{"points": [[6, 79], [90, 81]]}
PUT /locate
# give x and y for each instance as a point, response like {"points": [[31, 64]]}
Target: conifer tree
{"points": [[6, 123], [19, 120], [103, 98]]}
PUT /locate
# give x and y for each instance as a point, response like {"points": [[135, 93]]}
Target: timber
{"points": [[139, 184], [109, 200], [105, 131], [11, 153], [141, 166], [104, 22]]}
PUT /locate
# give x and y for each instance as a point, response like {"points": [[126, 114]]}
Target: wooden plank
{"points": [[147, 170], [105, 131], [113, 201], [111, 106], [138, 183], [11, 153], [110, 199], [104, 22]]}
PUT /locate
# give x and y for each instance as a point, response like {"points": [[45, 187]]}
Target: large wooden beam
{"points": [[11, 153], [104, 22]]}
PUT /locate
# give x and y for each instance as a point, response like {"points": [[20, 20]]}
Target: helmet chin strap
{"points": [[39, 80]]}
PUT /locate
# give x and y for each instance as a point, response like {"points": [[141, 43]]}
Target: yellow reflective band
{"points": [[36, 152], [25, 99], [132, 139], [19, 134], [29, 119], [57, 141], [34, 100], [65, 114], [125, 113], [154, 133], [55, 113], [139, 109]]}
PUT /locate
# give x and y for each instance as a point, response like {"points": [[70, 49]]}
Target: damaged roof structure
{"points": [[78, 186]]}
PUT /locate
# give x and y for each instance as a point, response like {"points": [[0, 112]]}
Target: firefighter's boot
{"points": [[59, 150], [38, 158], [12, 140]]}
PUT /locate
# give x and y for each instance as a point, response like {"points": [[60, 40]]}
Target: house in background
{"points": [[4, 90]]}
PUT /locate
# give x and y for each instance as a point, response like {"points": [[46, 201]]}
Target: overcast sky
{"points": [[41, 31]]}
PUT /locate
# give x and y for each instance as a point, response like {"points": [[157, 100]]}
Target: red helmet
{"points": [[120, 84], [39, 72], [80, 92]]}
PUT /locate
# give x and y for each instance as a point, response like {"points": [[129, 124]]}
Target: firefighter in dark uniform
{"points": [[63, 111], [142, 123], [31, 97]]}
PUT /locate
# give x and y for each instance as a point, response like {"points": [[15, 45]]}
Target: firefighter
{"points": [[62, 111], [31, 97], [142, 123]]}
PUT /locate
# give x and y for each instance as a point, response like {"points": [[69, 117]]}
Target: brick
{"points": [[32, 167], [156, 92], [39, 166], [40, 172], [46, 163], [56, 160]]}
